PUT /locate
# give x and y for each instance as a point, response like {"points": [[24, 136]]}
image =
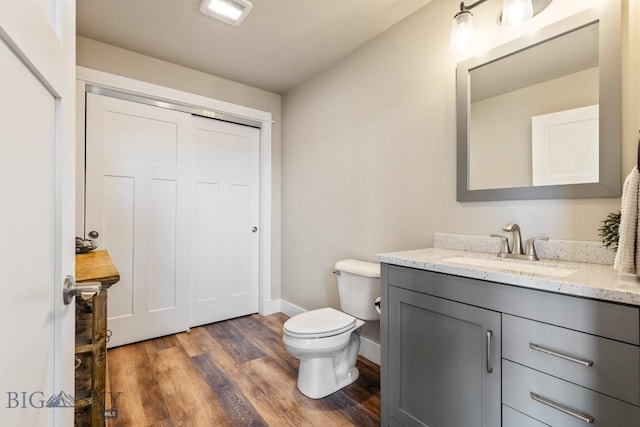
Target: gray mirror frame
{"points": [[610, 98]]}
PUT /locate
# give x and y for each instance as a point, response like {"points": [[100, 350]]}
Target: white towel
{"points": [[628, 255]]}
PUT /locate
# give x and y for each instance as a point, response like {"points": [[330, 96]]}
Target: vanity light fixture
{"points": [[462, 27], [231, 12], [514, 12]]}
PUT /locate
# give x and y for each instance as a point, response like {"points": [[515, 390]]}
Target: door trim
{"points": [[262, 119]]}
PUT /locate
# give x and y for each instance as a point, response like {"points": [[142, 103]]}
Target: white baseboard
{"points": [[290, 309], [270, 306], [368, 349]]}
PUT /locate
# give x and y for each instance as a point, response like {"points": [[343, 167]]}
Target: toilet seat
{"points": [[321, 323]]}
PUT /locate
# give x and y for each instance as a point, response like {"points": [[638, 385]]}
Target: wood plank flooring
{"points": [[232, 373]]}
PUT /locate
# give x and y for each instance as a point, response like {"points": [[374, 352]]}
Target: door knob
{"points": [[86, 290], [94, 234], [254, 229]]}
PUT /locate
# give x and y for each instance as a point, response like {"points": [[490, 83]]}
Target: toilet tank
{"points": [[359, 286]]}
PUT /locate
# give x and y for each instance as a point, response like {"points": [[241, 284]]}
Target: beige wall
{"points": [[110, 59], [369, 157]]}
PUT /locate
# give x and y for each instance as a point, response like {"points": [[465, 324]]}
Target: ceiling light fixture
{"points": [[231, 12], [514, 12]]}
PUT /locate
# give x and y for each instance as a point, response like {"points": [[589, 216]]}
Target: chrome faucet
{"points": [[516, 244]]}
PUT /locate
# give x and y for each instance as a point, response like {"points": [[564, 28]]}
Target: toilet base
{"points": [[320, 376], [312, 369]]}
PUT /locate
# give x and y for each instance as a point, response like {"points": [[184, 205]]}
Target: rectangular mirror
{"points": [[540, 117]]}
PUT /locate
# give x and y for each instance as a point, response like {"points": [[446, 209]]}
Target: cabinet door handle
{"points": [[582, 417], [583, 362], [489, 364]]}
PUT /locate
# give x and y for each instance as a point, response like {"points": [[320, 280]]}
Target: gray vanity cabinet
{"points": [[459, 352], [444, 363]]}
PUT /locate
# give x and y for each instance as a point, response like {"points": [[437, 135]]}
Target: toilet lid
{"points": [[319, 323]]}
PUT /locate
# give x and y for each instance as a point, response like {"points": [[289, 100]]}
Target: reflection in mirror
{"points": [[539, 117], [540, 84]]}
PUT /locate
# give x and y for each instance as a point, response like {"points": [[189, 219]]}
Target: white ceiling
{"points": [[279, 45]]}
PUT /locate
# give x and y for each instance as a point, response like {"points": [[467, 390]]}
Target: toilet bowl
{"points": [[326, 340]]}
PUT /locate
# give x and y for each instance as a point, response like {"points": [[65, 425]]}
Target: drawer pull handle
{"points": [[489, 364], [582, 417], [583, 362]]}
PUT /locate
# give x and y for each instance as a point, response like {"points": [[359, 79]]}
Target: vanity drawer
{"points": [[615, 368], [513, 418], [520, 385]]}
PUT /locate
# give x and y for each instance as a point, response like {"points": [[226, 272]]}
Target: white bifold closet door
{"points": [[173, 199]]}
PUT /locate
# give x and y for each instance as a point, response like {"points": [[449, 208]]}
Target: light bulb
{"points": [[515, 12], [461, 31]]}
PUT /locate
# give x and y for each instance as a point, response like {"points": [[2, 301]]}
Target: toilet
{"points": [[327, 340]]}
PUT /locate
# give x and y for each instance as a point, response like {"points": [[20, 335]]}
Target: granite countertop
{"points": [[598, 281]]}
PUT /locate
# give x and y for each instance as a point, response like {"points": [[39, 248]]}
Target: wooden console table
{"points": [[91, 338]]}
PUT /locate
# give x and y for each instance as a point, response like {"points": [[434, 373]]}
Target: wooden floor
{"points": [[233, 373]]}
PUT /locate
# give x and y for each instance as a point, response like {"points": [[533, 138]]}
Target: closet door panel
{"points": [[226, 265], [208, 242], [137, 139], [239, 240], [163, 287], [119, 207], [137, 173]]}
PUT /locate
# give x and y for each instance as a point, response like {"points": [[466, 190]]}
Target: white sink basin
{"points": [[512, 265]]}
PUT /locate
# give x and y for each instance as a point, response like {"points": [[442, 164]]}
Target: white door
{"points": [[136, 201], [225, 283], [37, 48], [174, 199]]}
